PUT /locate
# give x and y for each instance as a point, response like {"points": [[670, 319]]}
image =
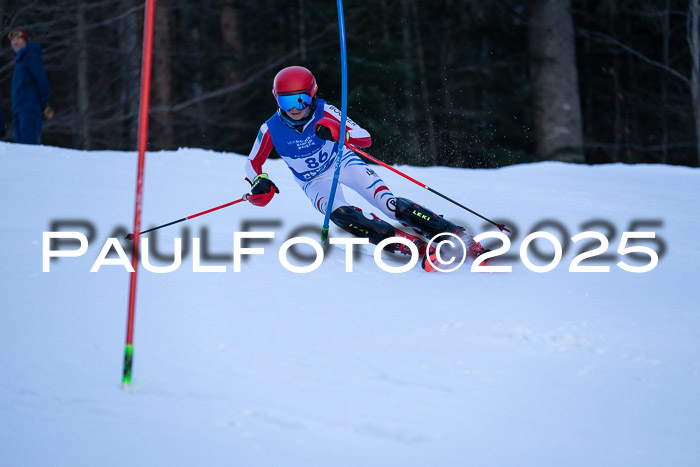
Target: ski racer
{"points": [[304, 131]]}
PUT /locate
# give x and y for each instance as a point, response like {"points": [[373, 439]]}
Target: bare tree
{"points": [[692, 82], [130, 72], [231, 32], [83, 114], [454, 77], [557, 118], [427, 110], [163, 76], [410, 113], [302, 31], [694, 44], [666, 47]]}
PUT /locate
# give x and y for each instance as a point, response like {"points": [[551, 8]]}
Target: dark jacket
{"points": [[30, 86], [3, 124]]}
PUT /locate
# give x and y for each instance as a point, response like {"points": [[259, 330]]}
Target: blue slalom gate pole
{"points": [[343, 116]]}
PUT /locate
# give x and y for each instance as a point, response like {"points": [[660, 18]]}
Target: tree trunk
{"points": [[83, 122], [447, 53], [427, 108], [557, 116], [386, 17], [666, 39], [162, 81], [617, 125], [199, 25], [410, 115], [231, 31], [130, 73], [302, 31], [694, 43]]}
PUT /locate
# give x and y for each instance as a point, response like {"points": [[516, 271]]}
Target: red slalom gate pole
{"points": [[142, 144], [360, 152]]}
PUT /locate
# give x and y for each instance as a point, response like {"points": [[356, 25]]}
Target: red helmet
{"points": [[294, 79]]}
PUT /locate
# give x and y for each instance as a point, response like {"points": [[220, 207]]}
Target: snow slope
{"points": [[267, 367]]}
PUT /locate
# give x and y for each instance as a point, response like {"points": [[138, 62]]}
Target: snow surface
{"points": [[267, 367]]}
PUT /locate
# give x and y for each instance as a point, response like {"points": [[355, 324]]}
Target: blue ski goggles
{"points": [[294, 101]]}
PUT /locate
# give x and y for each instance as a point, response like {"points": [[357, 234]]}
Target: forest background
{"points": [[443, 82]]}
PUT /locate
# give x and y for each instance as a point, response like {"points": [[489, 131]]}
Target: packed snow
{"points": [[267, 367]]}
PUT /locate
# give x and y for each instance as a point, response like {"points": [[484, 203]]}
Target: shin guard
{"points": [[351, 219]]}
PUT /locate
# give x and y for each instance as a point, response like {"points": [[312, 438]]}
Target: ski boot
{"points": [[429, 260], [430, 224], [353, 220], [402, 248]]}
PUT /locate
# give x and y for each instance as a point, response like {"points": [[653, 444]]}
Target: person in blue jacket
{"points": [[3, 124], [30, 89]]}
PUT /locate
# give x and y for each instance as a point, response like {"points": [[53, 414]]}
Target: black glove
{"points": [[328, 128], [324, 132], [262, 184]]}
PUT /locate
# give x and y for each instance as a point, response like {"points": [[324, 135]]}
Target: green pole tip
{"points": [[128, 363]]}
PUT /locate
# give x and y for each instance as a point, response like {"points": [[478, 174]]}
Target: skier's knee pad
{"points": [[351, 219], [423, 219]]}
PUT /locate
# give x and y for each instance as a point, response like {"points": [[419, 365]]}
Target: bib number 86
{"points": [[313, 163]]}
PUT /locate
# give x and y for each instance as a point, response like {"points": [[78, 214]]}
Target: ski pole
{"points": [[373, 159], [343, 118], [243, 198]]}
